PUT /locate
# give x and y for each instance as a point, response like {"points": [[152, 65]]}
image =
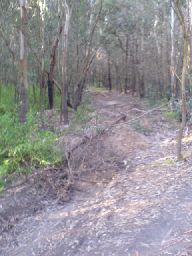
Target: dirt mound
{"points": [[124, 141]]}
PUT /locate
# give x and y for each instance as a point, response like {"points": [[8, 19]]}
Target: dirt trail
{"points": [[145, 209]]}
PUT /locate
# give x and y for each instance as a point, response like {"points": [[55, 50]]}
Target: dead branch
{"points": [[87, 139]]}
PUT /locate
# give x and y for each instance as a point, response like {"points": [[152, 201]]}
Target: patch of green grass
{"points": [[82, 116], [96, 88], [9, 98], [169, 161], [23, 147], [171, 115], [153, 102]]}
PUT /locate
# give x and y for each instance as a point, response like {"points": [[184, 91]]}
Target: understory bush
{"points": [[175, 107], [24, 147], [172, 115]]}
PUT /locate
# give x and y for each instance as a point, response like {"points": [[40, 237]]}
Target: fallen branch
{"points": [[146, 113], [86, 138], [91, 181]]}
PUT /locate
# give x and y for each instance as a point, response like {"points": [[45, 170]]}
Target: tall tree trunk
{"points": [[50, 82], [186, 51], [126, 65], [141, 69], [137, 64], [64, 109], [109, 73], [133, 71], [23, 63], [42, 81], [172, 69], [183, 99]]}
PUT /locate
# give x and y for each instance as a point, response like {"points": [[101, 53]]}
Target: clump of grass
{"points": [[169, 161], [172, 115], [83, 115], [139, 127], [23, 147], [97, 88]]}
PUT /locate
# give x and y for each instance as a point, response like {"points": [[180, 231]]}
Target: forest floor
{"points": [[131, 196]]}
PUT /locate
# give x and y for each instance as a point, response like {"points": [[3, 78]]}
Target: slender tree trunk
{"points": [[109, 73], [186, 50], [133, 73], [42, 81], [64, 108], [141, 69], [172, 69], [126, 65], [137, 62], [50, 82], [23, 63], [183, 98]]}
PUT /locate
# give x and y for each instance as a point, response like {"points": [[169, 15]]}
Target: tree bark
{"points": [[50, 82], [183, 99], [23, 63], [64, 108], [126, 65], [42, 78], [109, 73], [186, 50], [172, 69]]}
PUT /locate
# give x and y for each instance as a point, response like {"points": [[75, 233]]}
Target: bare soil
{"points": [[129, 195]]}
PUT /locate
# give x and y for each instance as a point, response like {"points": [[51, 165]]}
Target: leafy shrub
{"points": [[175, 106], [25, 146]]}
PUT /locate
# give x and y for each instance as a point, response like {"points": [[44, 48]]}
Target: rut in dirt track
{"points": [[145, 209]]}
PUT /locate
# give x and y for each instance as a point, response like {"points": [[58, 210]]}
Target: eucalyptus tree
{"points": [[83, 46], [172, 67], [68, 5], [23, 62], [186, 31]]}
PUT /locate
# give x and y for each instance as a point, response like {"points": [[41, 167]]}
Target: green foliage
{"points": [[175, 112], [7, 99], [96, 88], [24, 147], [83, 114], [171, 115]]}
